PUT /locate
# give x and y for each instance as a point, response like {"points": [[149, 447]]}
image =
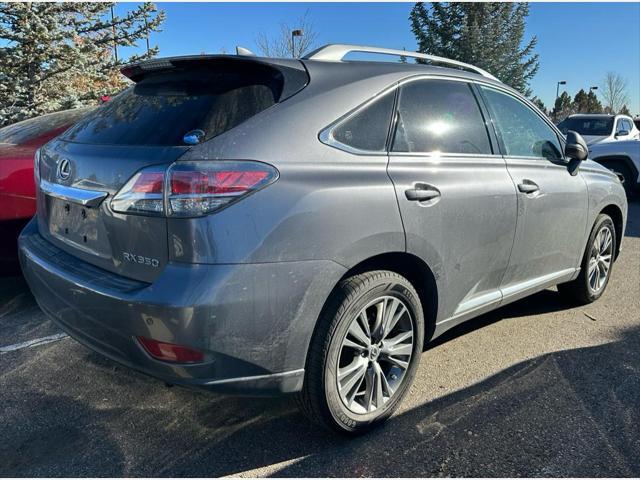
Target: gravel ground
{"points": [[537, 388]]}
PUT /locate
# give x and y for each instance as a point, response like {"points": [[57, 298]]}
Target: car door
{"points": [[552, 203], [456, 198]]}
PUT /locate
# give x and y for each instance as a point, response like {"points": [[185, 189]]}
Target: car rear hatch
{"points": [[101, 194]]}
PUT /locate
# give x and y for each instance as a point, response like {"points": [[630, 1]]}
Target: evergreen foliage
{"points": [[61, 55], [489, 35]]}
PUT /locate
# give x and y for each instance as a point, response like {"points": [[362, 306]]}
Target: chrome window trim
{"points": [[326, 134]]}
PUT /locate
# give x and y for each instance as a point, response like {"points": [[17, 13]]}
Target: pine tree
{"points": [[540, 104], [581, 102], [594, 105], [59, 55], [489, 35], [562, 108]]}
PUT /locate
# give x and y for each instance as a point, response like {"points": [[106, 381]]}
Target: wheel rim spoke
{"points": [[600, 260], [375, 354]]}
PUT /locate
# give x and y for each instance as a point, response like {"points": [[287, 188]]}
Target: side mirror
{"points": [[576, 150], [622, 133]]}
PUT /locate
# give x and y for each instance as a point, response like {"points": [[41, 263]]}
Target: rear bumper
{"points": [[253, 321]]}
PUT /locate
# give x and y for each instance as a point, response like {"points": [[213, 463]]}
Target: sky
{"points": [[577, 42]]}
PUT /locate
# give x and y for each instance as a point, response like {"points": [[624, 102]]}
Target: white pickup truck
{"points": [[623, 157]]}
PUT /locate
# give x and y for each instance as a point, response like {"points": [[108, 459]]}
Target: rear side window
{"points": [[522, 132], [368, 127], [440, 116], [162, 108]]}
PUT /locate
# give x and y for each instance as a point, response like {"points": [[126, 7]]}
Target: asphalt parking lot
{"points": [[537, 388]]}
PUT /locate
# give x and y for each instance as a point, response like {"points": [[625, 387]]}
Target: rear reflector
{"points": [[169, 352], [194, 188]]}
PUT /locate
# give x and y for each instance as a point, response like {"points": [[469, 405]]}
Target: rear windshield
{"points": [[587, 125], [163, 108], [27, 130]]}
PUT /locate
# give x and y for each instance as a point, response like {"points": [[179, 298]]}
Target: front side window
{"points": [[368, 127], [440, 116], [522, 132]]}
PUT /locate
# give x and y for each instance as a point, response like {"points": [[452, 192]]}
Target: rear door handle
{"points": [[527, 186], [421, 193]]}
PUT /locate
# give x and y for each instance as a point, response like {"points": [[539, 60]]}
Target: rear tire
{"points": [[356, 348], [598, 256]]}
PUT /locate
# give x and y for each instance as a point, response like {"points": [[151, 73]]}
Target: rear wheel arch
{"points": [[413, 269]]}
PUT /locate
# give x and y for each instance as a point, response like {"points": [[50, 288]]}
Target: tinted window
{"points": [[31, 129], [522, 132], [442, 116], [160, 110], [367, 129], [624, 125], [587, 125]]}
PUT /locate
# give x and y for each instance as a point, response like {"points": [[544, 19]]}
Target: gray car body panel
{"points": [[248, 283]]}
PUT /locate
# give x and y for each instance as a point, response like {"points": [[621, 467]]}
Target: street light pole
{"points": [[555, 113], [294, 34]]}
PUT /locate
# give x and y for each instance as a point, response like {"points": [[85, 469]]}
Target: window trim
{"points": [[481, 109], [325, 135], [559, 136]]}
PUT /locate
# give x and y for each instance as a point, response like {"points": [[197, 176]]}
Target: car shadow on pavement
{"points": [[568, 413]]}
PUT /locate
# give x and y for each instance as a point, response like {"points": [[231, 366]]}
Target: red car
{"points": [[18, 144]]}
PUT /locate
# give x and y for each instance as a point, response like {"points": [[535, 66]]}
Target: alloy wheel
{"points": [[375, 354], [600, 259]]}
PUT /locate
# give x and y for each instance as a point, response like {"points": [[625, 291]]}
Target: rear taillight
{"points": [[192, 189], [198, 188], [143, 193], [170, 352]]}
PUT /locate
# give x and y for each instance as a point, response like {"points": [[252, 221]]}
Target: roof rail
{"points": [[336, 52]]}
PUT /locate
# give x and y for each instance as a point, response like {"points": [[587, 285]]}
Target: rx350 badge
{"points": [[140, 260]]}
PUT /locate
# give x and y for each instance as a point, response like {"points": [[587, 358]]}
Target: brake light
{"points": [[170, 352], [143, 193], [193, 188]]}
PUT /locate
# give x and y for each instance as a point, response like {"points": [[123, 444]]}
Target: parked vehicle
{"points": [[636, 121], [18, 143], [621, 157], [262, 226], [601, 128]]}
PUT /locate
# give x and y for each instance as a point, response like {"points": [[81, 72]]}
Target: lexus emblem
{"points": [[64, 169]]}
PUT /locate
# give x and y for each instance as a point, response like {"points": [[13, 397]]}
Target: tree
{"points": [[58, 55], [625, 111], [540, 104], [593, 104], [489, 35], [614, 91], [581, 102], [562, 107], [403, 58], [283, 44]]}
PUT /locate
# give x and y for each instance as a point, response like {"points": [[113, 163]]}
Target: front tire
{"points": [[597, 263], [364, 353]]}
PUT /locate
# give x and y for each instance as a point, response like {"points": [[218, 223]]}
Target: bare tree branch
{"points": [[614, 92], [283, 44]]}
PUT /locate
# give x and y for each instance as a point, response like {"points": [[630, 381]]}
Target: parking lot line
{"points": [[33, 343]]}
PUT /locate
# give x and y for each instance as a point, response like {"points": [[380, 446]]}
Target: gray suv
{"points": [[262, 226]]}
